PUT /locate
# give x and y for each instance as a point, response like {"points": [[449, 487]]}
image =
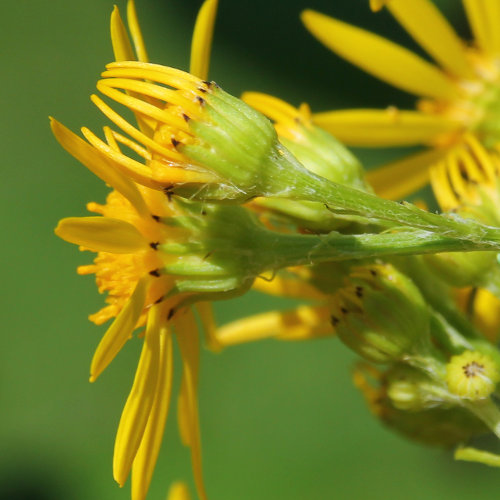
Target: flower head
{"points": [[472, 375], [460, 94]]}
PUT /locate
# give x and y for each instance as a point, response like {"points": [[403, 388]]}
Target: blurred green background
{"points": [[279, 420]]}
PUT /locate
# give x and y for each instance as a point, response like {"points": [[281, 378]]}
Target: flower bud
{"points": [[472, 375], [381, 314]]}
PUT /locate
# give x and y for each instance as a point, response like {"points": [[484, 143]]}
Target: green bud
{"points": [[381, 315], [410, 389]]}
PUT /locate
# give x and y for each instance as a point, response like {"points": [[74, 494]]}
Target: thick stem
{"points": [[292, 250], [291, 180]]}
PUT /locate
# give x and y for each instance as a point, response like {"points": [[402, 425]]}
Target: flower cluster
{"points": [[212, 195]]}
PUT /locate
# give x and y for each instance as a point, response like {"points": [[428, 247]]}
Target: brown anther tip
{"points": [[201, 89], [208, 255], [154, 245], [359, 291], [334, 320], [373, 272], [186, 117], [157, 301], [155, 273], [343, 310], [200, 100], [156, 217], [203, 212], [175, 142], [171, 312]]}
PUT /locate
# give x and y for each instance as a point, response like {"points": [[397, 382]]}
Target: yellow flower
{"points": [[459, 94], [472, 375], [130, 268]]}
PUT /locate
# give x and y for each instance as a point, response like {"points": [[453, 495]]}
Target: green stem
{"points": [[293, 181], [291, 250]]}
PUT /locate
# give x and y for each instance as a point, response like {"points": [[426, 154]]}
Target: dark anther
{"points": [[359, 291], [171, 312], [157, 301], [207, 83], [155, 272], [154, 245], [200, 100], [156, 218], [186, 117], [168, 191], [208, 255], [201, 89], [344, 310], [175, 142], [203, 212], [373, 272], [334, 320]]}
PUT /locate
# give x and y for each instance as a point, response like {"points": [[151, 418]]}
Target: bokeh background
{"points": [[279, 420]]}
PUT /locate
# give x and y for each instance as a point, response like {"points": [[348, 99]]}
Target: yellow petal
{"points": [[487, 314], [206, 313], [301, 323], [98, 165], [122, 48], [380, 57], [424, 22], [271, 106], [389, 127], [288, 287], [484, 19], [147, 454], [376, 5], [120, 330], [101, 234], [178, 491], [135, 31], [188, 418], [202, 39], [400, 178], [140, 400]]}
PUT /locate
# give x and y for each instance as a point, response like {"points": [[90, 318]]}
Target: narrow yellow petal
{"points": [[271, 106], [140, 400], [188, 418], [424, 22], [178, 491], [380, 57], [120, 41], [120, 330], [400, 178], [202, 39], [484, 19], [288, 287], [389, 127], [135, 31], [487, 314], [98, 165], [300, 323], [445, 195], [101, 234], [147, 454], [206, 313]]}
